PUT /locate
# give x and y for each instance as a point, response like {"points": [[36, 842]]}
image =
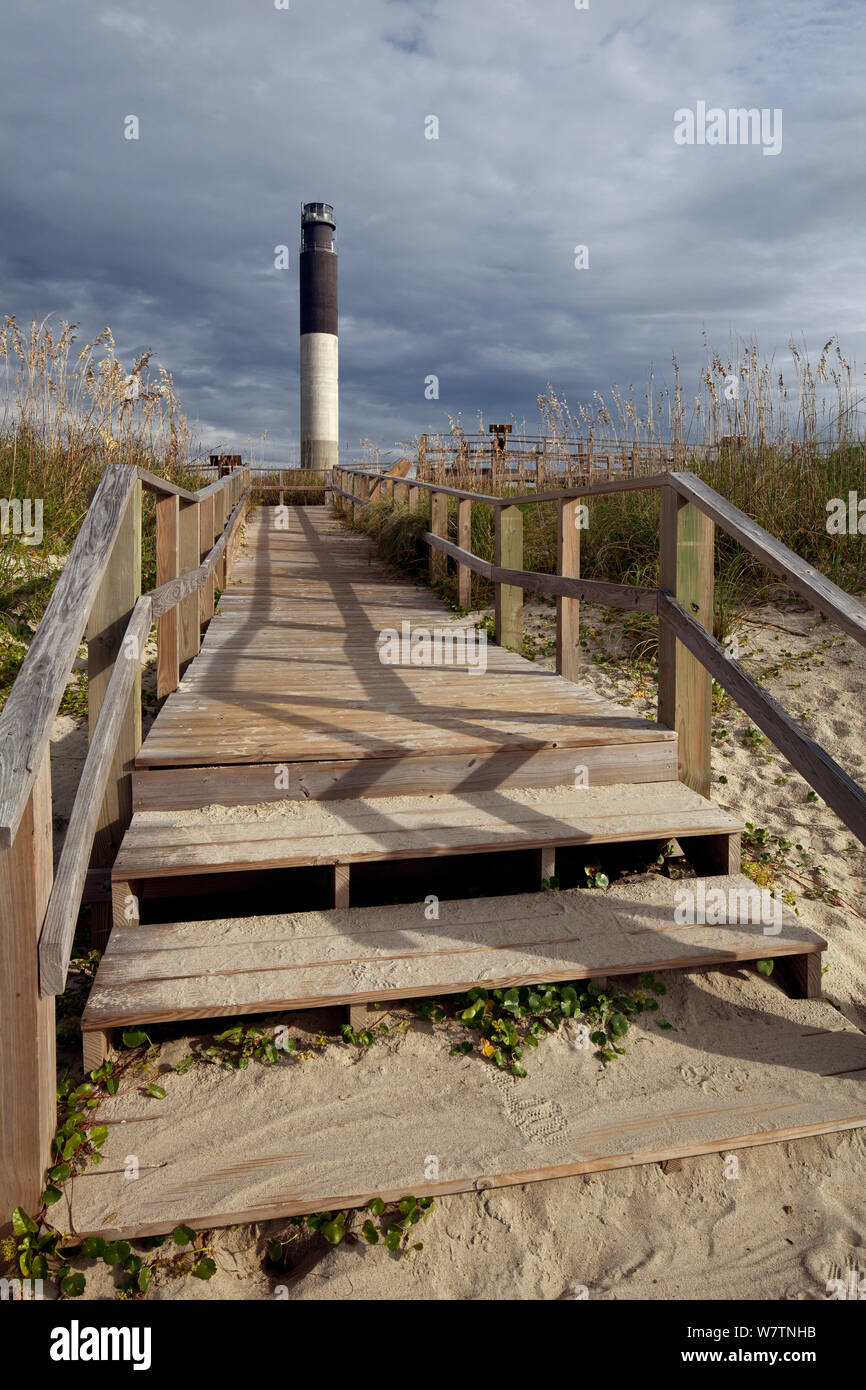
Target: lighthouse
{"points": [[320, 424]]}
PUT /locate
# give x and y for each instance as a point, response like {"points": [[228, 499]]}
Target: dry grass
{"points": [[66, 412]]}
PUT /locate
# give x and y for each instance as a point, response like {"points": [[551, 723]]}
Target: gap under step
{"points": [[219, 839], [352, 956]]}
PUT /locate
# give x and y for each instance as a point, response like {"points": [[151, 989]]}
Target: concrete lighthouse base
{"points": [[319, 401]]}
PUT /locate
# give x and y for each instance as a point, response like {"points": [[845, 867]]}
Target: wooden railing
{"points": [[98, 594], [690, 658]]}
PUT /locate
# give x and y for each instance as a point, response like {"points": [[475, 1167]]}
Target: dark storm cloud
{"points": [[457, 254]]}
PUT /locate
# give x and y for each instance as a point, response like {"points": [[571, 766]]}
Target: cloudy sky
{"points": [[457, 254]]}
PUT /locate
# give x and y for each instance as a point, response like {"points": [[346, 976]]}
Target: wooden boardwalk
{"points": [[304, 794], [290, 673]]}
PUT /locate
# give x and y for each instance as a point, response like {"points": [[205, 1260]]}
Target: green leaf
{"points": [[59, 1173], [156, 1091], [764, 967], [94, 1247], [408, 1205], [116, 1252], [39, 1267], [183, 1235], [73, 1285], [22, 1224], [370, 1234], [205, 1269], [73, 1143], [377, 1206], [98, 1135], [132, 1264], [145, 1274], [184, 1065], [393, 1238], [112, 1085], [51, 1195], [333, 1231], [618, 1025], [134, 1037]]}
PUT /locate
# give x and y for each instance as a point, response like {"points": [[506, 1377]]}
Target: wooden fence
{"points": [[98, 595], [690, 658]]}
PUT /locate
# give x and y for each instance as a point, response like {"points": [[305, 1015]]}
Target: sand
{"points": [[792, 1219]]}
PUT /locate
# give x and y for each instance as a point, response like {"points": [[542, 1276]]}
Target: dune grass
{"points": [[65, 413]]}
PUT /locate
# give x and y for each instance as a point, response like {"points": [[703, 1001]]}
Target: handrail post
{"points": [[221, 513], [508, 602], [116, 597], [206, 540], [568, 609], [412, 503], [189, 558], [28, 1066], [439, 527], [464, 540], [167, 568], [685, 686], [401, 498]]}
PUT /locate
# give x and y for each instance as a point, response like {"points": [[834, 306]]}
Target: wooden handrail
{"points": [[689, 656], [28, 715], [821, 772], [803, 578], [167, 596], [58, 929]]}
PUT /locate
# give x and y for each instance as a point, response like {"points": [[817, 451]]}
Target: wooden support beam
{"points": [[167, 567], [205, 544], [414, 494], [28, 1067], [115, 600], [189, 558], [685, 685], [342, 874], [568, 609], [439, 527], [464, 541], [508, 603]]}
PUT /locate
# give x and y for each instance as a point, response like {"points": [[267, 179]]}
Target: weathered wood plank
{"points": [[464, 542], [569, 517], [844, 609], [508, 598], [28, 1079], [365, 955], [58, 933], [189, 550], [685, 686], [167, 568], [107, 644], [438, 527], [28, 715], [819, 769]]}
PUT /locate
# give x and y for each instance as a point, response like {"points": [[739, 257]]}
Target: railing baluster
{"points": [[685, 685], [508, 603], [167, 567], [568, 609], [439, 527], [464, 540]]}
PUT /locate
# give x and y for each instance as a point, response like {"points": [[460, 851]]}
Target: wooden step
{"points": [[221, 840], [742, 1065], [308, 960], [238, 784]]}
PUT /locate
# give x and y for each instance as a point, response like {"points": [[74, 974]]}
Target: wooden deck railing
{"points": [[690, 658], [98, 594]]}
